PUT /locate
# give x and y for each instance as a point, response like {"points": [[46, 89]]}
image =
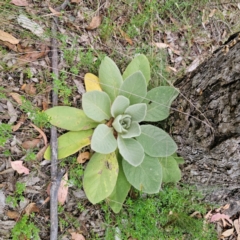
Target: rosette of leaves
{"points": [[117, 110]]}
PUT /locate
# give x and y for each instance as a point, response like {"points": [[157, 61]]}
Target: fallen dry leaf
{"points": [[13, 214], [9, 45], [40, 154], [11, 112], [33, 56], [29, 88], [55, 13], [49, 188], [194, 64], [218, 216], [9, 170], [95, 23], [41, 133], [237, 225], [19, 123], [225, 207], [227, 233], [83, 157], [171, 68], [44, 104], [6, 37], [31, 144], [63, 189], [17, 166], [31, 207], [77, 236], [126, 37], [20, 3], [76, 1], [212, 13], [16, 97], [161, 45]]}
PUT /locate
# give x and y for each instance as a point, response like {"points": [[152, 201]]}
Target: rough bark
{"points": [[211, 145]]}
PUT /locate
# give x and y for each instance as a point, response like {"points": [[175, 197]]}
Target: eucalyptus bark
{"points": [[206, 125]]}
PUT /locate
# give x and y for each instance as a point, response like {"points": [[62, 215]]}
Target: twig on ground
{"points": [[56, 175]]}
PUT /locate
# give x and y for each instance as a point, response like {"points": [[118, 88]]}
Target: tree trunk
{"points": [[206, 124]]}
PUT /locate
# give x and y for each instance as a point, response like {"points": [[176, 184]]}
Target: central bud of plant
{"points": [[122, 123]]}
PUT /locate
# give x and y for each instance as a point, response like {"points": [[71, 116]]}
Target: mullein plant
{"points": [[115, 122]]}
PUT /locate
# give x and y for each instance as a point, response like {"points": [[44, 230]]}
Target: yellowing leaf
{"points": [[63, 189], [91, 82], [17, 165]]}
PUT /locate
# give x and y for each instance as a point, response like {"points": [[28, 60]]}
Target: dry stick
{"points": [[56, 175]]}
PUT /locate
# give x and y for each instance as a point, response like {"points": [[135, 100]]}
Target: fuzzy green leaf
{"points": [[110, 77], [134, 88], [103, 140], [133, 131], [121, 189], [156, 142], [71, 142], [139, 63], [137, 111], [146, 177], [61, 116], [119, 105], [131, 150], [100, 176], [96, 105], [171, 171], [159, 101]]}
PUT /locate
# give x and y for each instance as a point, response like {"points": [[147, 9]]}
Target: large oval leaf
{"points": [[96, 105], [159, 101], [103, 140], [119, 105], [71, 142], [91, 82], [146, 177], [131, 150], [170, 168], [100, 176], [120, 191], [139, 63], [134, 88], [70, 118], [110, 77], [156, 142]]}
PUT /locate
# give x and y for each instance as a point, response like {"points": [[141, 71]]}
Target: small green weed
{"points": [[38, 117], [163, 216], [75, 171], [25, 229], [64, 91], [30, 156], [2, 93], [5, 133], [18, 194], [66, 220], [90, 60], [7, 153]]}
